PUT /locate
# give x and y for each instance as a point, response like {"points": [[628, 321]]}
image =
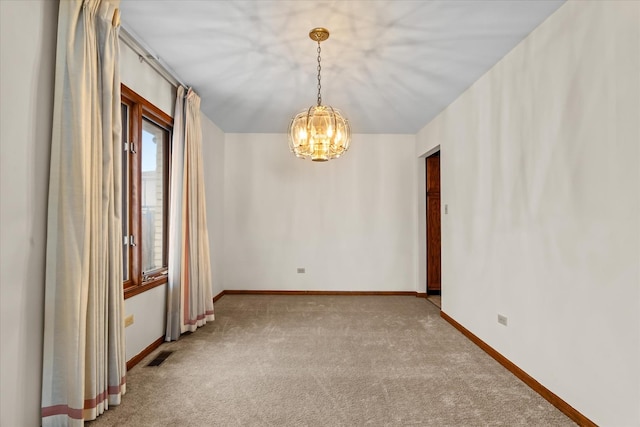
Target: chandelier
{"points": [[319, 132]]}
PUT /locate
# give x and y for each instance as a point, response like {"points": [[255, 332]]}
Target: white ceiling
{"points": [[389, 66]]}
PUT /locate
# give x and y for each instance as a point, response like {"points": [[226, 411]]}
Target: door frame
{"points": [[421, 232], [429, 262]]}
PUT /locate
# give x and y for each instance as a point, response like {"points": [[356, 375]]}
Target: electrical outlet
{"points": [[301, 270], [128, 321], [502, 319]]}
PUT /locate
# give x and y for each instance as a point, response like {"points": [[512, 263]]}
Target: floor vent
{"points": [[161, 357]]}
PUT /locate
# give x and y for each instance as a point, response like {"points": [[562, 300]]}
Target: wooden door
{"points": [[433, 223]]}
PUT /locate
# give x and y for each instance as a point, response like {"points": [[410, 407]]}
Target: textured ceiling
{"points": [[390, 66]]}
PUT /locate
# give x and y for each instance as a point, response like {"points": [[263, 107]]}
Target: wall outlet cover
{"points": [[128, 321], [502, 319]]}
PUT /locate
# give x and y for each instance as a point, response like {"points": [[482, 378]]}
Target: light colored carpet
{"points": [[435, 299], [327, 361]]}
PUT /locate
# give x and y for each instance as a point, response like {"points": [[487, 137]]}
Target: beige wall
{"points": [[148, 308], [540, 170], [28, 36], [213, 163], [533, 231], [144, 80], [27, 60], [350, 223]]}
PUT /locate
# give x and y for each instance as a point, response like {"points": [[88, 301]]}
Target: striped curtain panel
{"points": [[190, 295], [84, 362]]}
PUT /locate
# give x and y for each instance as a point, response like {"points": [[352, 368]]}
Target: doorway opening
{"points": [[434, 275]]}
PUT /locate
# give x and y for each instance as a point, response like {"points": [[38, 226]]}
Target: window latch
{"points": [[132, 147], [132, 240]]}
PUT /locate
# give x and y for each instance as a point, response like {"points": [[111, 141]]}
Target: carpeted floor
{"points": [[435, 299], [327, 361]]}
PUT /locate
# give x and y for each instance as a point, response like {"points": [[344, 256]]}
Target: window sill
{"points": [[145, 286]]}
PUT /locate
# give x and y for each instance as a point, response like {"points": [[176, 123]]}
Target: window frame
{"points": [[139, 109]]}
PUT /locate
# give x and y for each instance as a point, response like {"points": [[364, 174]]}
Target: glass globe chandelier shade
{"points": [[320, 132]]}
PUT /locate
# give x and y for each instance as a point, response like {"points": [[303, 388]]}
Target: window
{"points": [[146, 141]]}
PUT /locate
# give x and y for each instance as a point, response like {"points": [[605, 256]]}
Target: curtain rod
{"points": [[144, 54]]}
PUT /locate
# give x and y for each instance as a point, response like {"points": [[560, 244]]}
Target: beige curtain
{"points": [[190, 294], [84, 362]]}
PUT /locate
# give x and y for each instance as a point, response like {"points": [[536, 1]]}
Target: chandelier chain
{"points": [[319, 69], [319, 132]]}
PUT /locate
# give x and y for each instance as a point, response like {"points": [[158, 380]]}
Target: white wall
{"points": [[351, 223], [27, 58], [540, 169], [213, 160], [149, 311]]}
